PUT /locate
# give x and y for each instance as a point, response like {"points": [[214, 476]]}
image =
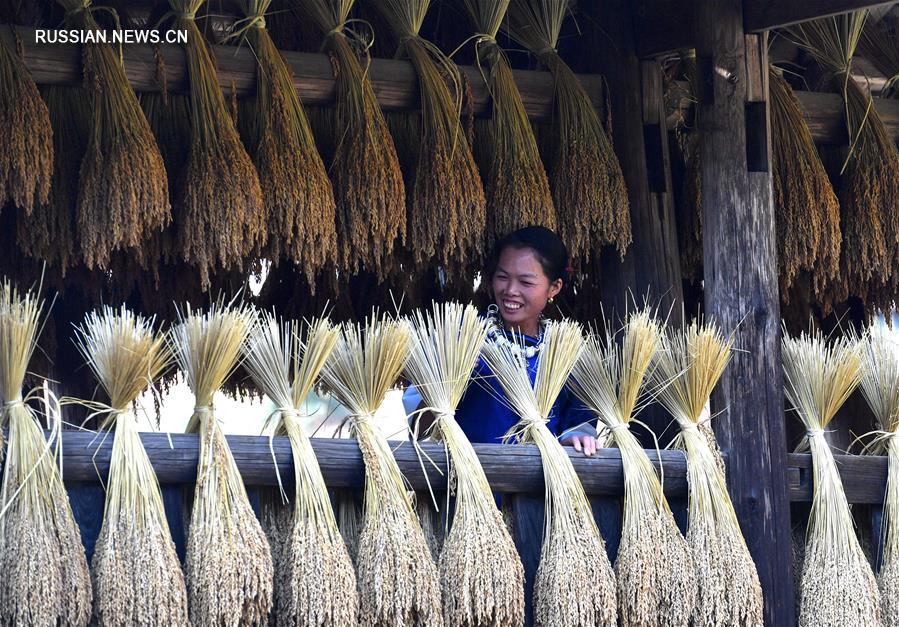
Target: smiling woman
{"points": [[527, 271]]}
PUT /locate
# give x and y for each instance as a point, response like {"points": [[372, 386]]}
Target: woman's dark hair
{"points": [[549, 249]]}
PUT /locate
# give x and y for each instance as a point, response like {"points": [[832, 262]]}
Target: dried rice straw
{"points": [[295, 185], [587, 184], [45, 577], [518, 192], [316, 584], [228, 565], [26, 144], [880, 387], [808, 213], [221, 216], [654, 566], [396, 576], [365, 172], [837, 586], [690, 362], [575, 584], [447, 208], [870, 176], [136, 574], [123, 192], [481, 575]]}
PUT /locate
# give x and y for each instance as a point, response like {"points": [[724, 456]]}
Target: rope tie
{"points": [[811, 433], [618, 427], [203, 409], [13, 403]]}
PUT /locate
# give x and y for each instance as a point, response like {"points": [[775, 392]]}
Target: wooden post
{"points": [[741, 287]]}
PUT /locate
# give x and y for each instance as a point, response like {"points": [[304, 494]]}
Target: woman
{"points": [[527, 271]]}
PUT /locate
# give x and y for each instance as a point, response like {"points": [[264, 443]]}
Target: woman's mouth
{"points": [[511, 306]]}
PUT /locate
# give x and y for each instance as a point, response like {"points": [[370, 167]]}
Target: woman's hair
{"points": [[549, 249]]}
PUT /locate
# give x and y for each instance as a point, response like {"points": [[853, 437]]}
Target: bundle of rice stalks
{"points": [[880, 387], [228, 565], [481, 575], [45, 577], [295, 185], [837, 585], [136, 574], [654, 566], [349, 520], [587, 184], [220, 211], [880, 46], [26, 144], [690, 362], [517, 188], [447, 208], [316, 584], [569, 589], [807, 210], [365, 172], [870, 176], [396, 576], [123, 191]]}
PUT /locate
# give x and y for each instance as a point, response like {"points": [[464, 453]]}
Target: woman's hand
{"points": [[585, 443]]}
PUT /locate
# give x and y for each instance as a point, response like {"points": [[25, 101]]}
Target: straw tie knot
{"points": [[203, 409], [16, 402], [811, 433], [618, 427], [546, 50], [84, 6]]}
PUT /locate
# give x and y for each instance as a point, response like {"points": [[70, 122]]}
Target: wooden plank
{"points": [[741, 295], [394, 80], [762, 15], [864, 477]]}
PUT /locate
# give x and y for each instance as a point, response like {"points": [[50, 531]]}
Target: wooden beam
{"points": [[664, 26], [394, 80], [864, 477], [741, 291]]}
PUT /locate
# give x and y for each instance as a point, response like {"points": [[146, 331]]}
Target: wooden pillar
{"points": [[741, 287]]}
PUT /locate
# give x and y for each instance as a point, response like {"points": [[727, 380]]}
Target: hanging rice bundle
{"points": [[219, 203], [690, 363], [481, 575], [295, 185], [869, 181], [587, 184], [228, 565], [447, 208], [837, 586], [575, 584], [517, 188], [45, 577], [123, 192], [656, 578], [396, 576], [880, 46], [349, 520], [807, 210], [316, 584], [880, 387], [26, 143], [365, 172], [136, 574]]}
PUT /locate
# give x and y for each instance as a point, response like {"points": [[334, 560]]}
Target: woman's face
{"points": [[521, 289]]}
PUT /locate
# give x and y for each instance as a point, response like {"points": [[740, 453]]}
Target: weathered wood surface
{"points": [[664, 26], [741, 292], [393, 80]]}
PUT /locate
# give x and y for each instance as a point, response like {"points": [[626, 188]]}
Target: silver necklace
{"points": [[497, 333]]}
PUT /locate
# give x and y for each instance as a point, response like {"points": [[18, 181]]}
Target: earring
{"points": [[550, 299]]}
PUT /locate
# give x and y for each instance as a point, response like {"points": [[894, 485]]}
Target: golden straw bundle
{"points": [[228, 565], [316, 584], [690, 362], [880, 387], [295, 185], [45, 577], [517, 188], [447, 208], [136, 574], [656, 577], [123, 194], [368, 184], [808, 213], [219, 204], [575, 584], [837, 586], [481, 575], [396, 576], [26, 144], [587, 184], [870, 177]]}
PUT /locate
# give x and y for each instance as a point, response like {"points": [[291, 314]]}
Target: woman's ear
{"points": [[555, 287]]}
